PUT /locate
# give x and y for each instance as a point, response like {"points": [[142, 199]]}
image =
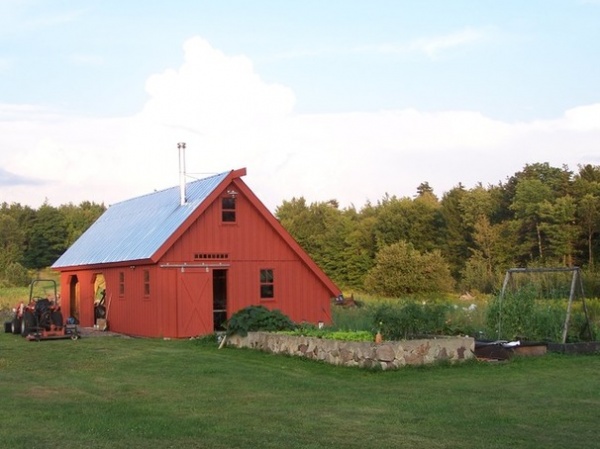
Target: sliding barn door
{"points": [[194, 303]]}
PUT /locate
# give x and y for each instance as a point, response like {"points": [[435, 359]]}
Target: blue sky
{"points": [[387, 93]]}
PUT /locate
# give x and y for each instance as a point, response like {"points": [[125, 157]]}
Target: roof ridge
{"points": [[166, 189]]}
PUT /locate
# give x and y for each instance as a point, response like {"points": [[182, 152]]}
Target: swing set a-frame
{"points": [[576, 285]]}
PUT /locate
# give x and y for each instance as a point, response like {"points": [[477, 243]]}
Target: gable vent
{"points": [[210, 256]]}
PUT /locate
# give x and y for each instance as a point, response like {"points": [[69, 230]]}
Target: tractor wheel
{"points": [[27, 324], [7, 327], [16, 326], [57, 319]]}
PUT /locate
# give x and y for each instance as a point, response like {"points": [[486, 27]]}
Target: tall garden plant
{"points": [[522, 314]]}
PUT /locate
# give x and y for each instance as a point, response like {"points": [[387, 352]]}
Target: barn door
{"points": [[194, 303]]}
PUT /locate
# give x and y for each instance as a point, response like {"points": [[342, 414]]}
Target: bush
{"points": [[352, 318], [410, 320], [15, 275], [258, 318], [400, 270]]}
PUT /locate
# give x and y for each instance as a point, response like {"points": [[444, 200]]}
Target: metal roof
{"points": [[135, 229]]}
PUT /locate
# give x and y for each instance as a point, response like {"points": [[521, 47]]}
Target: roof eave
{"points": [[99, 266]]}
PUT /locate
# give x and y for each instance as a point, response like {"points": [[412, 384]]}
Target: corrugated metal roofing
{"points": [[135, 229]]}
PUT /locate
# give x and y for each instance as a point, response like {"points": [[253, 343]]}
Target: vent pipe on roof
{"points": [[181, 147]]}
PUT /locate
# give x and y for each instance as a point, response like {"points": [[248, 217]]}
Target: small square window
{"points": [[267, 284]]}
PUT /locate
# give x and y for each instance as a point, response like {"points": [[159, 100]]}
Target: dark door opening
{"points": [[74, 297], [219, 299]]}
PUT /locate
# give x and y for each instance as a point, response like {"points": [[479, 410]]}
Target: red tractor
{"points": [[41, 318]]}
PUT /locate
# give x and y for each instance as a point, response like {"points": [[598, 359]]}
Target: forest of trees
{"points": [[463, 241], [540, 216], [32, 239]]}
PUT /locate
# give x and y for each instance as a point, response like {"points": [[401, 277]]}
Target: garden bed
{"points": [[503, 350], [386, 355]]}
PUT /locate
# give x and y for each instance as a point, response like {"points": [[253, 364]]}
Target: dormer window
{"points": [[228, 209]]}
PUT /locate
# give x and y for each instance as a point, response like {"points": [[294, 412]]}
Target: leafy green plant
{"points": [[258, 318], [521, 314], [465, 320], [352, 318], [410, 320], [331, 334]]}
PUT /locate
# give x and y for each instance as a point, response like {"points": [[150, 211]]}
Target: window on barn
{"points": [[146, 283], [228, 209], [121, 283], [267, 284]]}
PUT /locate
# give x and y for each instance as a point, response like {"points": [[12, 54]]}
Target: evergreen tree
{"points": [[11, 241], [456, 239], [47, 238], [529, 197], [79, 218]]}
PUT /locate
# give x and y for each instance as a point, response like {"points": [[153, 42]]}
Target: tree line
{"points": [[32, 239], [540, 216], [465, 240]]}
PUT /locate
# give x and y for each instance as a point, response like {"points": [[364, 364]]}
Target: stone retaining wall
{"points": [[387, 355]]}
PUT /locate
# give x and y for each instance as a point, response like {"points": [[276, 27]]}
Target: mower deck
{"points": [[59, 333]]}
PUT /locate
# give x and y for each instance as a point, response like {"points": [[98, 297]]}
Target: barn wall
{"points": [[133, 311], [296, 292], [251, 244]]}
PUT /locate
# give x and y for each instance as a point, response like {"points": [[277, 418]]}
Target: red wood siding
{"points": [[252, 244]]}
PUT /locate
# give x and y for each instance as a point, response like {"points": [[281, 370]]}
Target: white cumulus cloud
{"points": [[231, 118]]}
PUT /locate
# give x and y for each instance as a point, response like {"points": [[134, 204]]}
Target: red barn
{"points": [[179, 262]]}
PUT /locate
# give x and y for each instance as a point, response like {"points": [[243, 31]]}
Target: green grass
{"points": [[10, 296], [128, 393]]}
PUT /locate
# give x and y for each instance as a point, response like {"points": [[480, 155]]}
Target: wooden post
{"points": [[504, 284], [569, 306]]}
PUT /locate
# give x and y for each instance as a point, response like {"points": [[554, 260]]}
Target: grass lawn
{"points": [[112, 392]]}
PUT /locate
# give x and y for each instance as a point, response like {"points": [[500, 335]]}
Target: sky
{"points": [[330, 99]]}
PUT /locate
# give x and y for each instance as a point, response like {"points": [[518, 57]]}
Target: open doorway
{"points": [[219, 299], [100, 301], [74, 297]]}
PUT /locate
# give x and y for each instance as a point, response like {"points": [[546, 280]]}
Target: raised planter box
{"points": [[500, 350], [386, 355]]}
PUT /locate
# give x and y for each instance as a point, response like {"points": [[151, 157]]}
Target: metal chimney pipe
{"points": [[181, 147]]}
